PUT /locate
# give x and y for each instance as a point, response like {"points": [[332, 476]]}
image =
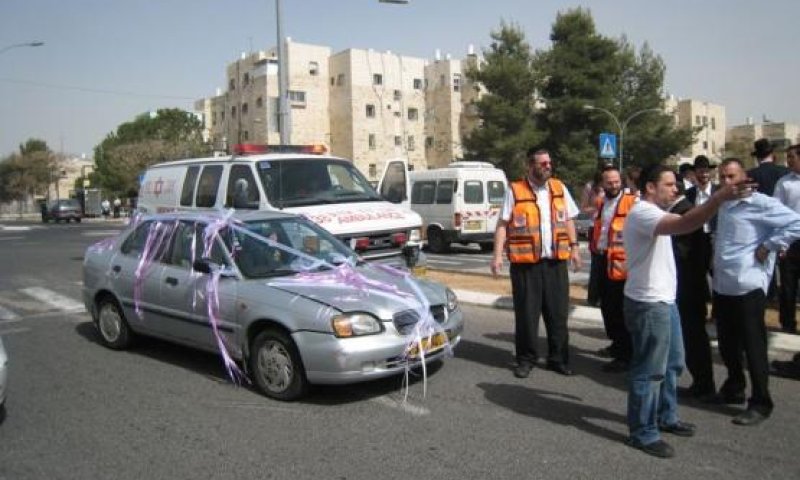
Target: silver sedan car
{"points": [[271, 292]]}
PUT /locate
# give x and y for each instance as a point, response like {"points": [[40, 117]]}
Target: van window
{"points": [[423, 192], [394, 183], [473, 191], [208, 186], [314, 181], [496, 191], [444, 191], [242, 188], [188, 186]]}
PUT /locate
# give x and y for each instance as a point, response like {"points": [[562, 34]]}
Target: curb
{"points": [[777, 341]]}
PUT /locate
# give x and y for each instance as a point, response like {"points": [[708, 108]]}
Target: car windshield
{"points": [[285, 246], [313, 181]]}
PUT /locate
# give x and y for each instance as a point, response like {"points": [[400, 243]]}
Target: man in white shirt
{"points": [[650, 312]]}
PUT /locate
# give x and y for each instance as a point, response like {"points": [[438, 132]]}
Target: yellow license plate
{"points": [[472, 225], [429, 344]]}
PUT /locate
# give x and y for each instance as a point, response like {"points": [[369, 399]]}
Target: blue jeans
{"points": [[656, 364]]}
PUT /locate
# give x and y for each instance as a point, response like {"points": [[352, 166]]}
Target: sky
{"points": [[106, 61]]}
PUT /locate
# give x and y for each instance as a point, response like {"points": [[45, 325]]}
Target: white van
{"points": [[302, 180], [459, 203]]}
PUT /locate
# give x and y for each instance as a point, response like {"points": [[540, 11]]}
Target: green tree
{"points": [[582, 67], [123, 155], [28, 172], [506, 110]]}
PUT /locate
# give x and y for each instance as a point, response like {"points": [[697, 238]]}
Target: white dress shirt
{"points": [[787, 190]]}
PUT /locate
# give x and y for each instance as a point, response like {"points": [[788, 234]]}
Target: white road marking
{"points": [[7, 228], [415, 410], [13, 330], [7, 315], [55, 300], [102, 233], [446, 262], [11, 238]]}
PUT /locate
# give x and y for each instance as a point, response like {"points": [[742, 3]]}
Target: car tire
{"points": [[2, 412], [436, 241], [487, 246], [77, 220], [112, 325], [276, 366]]}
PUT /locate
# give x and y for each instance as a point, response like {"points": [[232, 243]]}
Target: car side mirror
{"points": [[202, 265]]}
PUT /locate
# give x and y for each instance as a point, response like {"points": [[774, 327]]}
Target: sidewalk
{"points": [[464, 286]]}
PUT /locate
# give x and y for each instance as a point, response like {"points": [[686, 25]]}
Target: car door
{"points": [[395, 184], [135, 277], [184, 292]]}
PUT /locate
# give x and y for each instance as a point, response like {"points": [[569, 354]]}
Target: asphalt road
{"points": [[78, 410]]}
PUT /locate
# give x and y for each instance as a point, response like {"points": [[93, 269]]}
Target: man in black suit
{"points": [[767, 173], [693, 255]]}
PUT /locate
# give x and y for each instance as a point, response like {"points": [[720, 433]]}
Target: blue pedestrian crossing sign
{"points": [[608, 145]]}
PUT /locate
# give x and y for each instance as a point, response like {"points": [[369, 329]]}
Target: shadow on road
{"points": [[555, 407]]}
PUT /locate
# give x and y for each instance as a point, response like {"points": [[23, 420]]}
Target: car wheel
{"points": [[487, 246], [114, 330], [276, 366], [2, 412], [436, 242], [78, 219]]}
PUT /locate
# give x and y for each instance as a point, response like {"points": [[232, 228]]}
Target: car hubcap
{"points": [[110, 323], [275, 366]]}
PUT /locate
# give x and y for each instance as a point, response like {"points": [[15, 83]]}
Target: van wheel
{"points": [[436, 241], [114, 330], [276, 366], [487, 246]]}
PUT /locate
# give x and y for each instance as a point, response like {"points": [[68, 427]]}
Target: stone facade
{"points": [[709, 118]]}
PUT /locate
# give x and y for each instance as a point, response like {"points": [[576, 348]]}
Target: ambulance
{"points": [[459, 203], [303, 180]]}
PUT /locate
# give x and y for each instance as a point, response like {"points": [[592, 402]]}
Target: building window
{"points": [[222, 115], [397, 113], [442, 81], [456, 82], [398, 140], [697, 119], [246, 135], [213, 118], [705, 145], [373, 170], [232, 84], [370, 110], [340, 79], [377, 79], [411, 143], [413, 114], [333, 81], [428, 142], [233, 111], [417, 84], [297, 98], [259, 102], [244, 109], [713, 123], [397, 95], [313, 68], [246, 79], [371, 141], [705, 120]]}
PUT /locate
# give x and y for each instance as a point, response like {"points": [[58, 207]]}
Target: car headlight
{"points": [[355, 324], [452, 300], [414, 236]]}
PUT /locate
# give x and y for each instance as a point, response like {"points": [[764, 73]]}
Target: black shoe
{"points": [[615, 366], [681, 429], [659, 448], [523, 370], [789, 369], [749, 418], [560, 368]]}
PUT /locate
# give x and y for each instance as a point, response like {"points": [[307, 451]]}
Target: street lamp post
{"points": [[20, 45], [621, 126]]}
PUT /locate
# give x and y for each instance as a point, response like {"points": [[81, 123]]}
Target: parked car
{"points": [[583, 222], [287, 311], [3, 378], [64, 209]]}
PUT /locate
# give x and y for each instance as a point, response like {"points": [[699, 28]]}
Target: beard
{"points": [[612, 193]]}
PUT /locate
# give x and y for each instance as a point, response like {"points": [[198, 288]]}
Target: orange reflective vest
{"points": [[524, 230], [615, 250]]}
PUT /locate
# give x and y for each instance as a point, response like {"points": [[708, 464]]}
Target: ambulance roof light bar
{"points": [[260, 149]]}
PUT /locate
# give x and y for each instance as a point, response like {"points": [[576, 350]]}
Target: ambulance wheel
{"points": [[436, 241]]}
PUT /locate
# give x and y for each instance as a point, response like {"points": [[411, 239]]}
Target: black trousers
{"points": [[540, 289], [691, 299], [789, 268], [612, 296], [741, 329]]}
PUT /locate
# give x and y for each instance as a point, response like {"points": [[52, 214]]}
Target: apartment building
{"points": [[364, 105], [708, 117]]}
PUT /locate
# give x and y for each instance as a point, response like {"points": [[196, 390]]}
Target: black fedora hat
{"points": [[701, 161], [762, 148]]}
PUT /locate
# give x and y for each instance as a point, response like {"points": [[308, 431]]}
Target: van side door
{"points": [[394, 184]]}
